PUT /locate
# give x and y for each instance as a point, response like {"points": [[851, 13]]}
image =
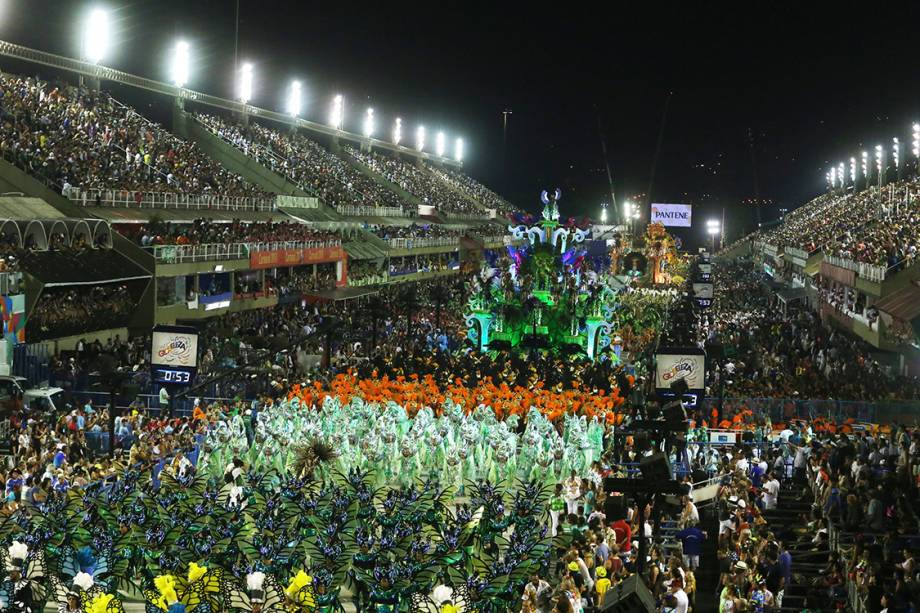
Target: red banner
{"points": [[295, 257]]}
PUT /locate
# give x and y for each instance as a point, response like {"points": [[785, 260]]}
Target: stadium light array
{"points": [[713, 226], [603, 212], [96, 36], [879, 156], [842, 175], [420, 138], [833, 176], [397, 131], [337, 115], [853, 171], [896, 152], [180, 64], [369, 123], [440, 145], [295, 96], [916, 142], [458, 150], [865, 165], [245, 87]]}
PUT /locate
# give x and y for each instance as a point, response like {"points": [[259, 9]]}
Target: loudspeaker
{"points": [[656, 468], [630, 596], [614, 508]]}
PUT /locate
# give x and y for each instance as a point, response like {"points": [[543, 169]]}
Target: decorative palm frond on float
{"points": [[310, 456]]}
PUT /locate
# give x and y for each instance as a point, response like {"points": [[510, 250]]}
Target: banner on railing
{"points": [[838, 274], [295, 257], [297, 202], [217, 301]]}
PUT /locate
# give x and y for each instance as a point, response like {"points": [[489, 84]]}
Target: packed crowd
{"points": [[415, 230], [473, 189], [890, 237], [772, 354], [305, 163], [865, 487], [872, 226], [66, 311], [418, 181], [76, 137], [206, 231]]}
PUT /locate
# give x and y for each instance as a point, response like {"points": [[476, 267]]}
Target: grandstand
{"points": [[220, 215], [851, 253]]}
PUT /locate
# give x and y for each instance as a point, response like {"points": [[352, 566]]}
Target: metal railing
{"points": [[214, 252], [168, 200], [371, 211], [468, 216], [183, 254], [415, 243], [871, 272]]}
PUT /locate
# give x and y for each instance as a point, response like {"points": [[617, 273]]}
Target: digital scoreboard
{"points": [[174, 355]]}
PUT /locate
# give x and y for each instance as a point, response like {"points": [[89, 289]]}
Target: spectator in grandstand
{"points": [[204, 231], [418, 181], [84, 139], [305, 163]]}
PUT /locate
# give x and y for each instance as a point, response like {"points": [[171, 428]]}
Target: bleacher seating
{"points": [[305, 163]]}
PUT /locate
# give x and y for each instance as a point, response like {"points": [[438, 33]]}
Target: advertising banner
{"points": [[174, 347], [672, 367], [295, 257], [702, 290], [671, 214]]}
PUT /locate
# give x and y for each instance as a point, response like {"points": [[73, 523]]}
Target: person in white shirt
{"points": [[683, 602], [770, 492], [572, 493]]}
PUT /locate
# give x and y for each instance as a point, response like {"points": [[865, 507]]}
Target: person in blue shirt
{"points": [[691, 538]]}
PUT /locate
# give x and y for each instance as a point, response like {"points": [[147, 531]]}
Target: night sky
{"points": [[813, 86]]}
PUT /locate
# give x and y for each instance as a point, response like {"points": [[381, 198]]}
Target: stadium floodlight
{"points": [[853, 171], [458, 150], [916, 142], [337, 115], [603, 212], [842, 175], [439, 144], [180, 64], [830, 182], [245, 91], [96, 36], [896, 152], [420, 138], [879, 156], [397, 131], [369, 123], [713, 226], [295, 96], [865, 165], [833, 177]]}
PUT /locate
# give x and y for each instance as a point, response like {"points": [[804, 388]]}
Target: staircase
{"points": [[787, 522]]}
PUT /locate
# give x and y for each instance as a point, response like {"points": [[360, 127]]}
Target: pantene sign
{"points": [[671, 214]]}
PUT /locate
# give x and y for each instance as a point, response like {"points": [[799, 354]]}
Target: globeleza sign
{"points": [[671, 214]]}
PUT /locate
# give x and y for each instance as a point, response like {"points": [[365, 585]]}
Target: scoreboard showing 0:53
{"points": [[174, 354]]}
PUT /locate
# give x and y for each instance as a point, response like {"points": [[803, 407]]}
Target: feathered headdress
{"points": [[254, 582]]}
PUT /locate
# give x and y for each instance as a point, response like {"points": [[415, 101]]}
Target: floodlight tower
{"points": [[397, 131], [458, 150], [244, 90], [95, 40], [179, 70], [916, 144], [713, 227]]}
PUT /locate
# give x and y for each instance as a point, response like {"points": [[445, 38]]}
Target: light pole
{"points": [[713, 227], [603, 212]]}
